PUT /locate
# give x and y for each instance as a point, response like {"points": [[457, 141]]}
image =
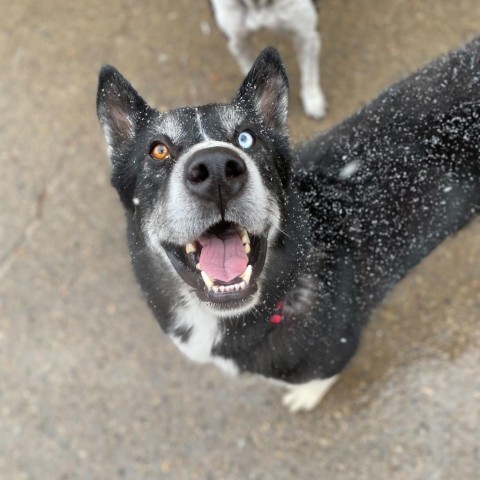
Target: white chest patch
{"points": [[204, 335]]}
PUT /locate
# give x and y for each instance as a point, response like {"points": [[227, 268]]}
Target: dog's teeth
{"points": [[208, 281], [190, 248], [236, 287], [247, 248], [244, 236], [246, 275]]}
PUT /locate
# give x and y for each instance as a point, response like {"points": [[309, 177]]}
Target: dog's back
{"points": [[400, 175]]}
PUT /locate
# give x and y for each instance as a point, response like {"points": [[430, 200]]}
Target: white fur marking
{"points": [[306, 396], [349, 169], [200, 126], [204, 334], [226, 365]]}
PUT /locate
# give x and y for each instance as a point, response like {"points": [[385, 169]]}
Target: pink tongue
{"points": [[222, 257]]}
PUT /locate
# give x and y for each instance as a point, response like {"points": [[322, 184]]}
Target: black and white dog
{"points": [[266, 260], [238, 19]]}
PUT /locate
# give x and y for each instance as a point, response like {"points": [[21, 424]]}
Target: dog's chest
{"points": [[195, 333]]}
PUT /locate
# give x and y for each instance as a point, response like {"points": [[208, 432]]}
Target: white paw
{"points": [[306, 396], [314, 103]]}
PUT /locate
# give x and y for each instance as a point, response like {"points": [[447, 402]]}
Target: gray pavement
{"points": [[89, 387]]}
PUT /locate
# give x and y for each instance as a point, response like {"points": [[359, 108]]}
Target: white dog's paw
{"points": [[314, 103], [306, 396]]}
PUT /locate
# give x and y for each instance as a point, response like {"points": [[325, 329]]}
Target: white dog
{"points": [[237, 19]]}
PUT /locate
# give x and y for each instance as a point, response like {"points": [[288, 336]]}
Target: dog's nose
{"points": [[217, 176]]}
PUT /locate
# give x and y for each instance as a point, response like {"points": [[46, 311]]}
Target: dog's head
{"points": [[205, 186]]}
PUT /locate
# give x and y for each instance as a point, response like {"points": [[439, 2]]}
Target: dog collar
{"points": [[277, 316]]}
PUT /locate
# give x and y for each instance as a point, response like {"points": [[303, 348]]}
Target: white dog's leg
{"points": [[307, 45], [306, 396], [229, 15], [240, 49]]}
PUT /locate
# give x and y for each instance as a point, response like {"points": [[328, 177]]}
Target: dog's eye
{"points": [[159, 151], [246, 139]]}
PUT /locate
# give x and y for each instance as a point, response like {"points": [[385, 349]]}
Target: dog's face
{"points": [[205, 186]]}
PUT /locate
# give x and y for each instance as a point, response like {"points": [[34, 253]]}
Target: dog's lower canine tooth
{"points": [[208, 281], [246, 275], [190, 248]]}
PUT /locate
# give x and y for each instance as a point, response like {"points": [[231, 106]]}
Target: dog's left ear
{"points": [[266, 89]]}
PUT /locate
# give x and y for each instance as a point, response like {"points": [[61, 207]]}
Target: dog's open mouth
{"points": [[223, 264]]}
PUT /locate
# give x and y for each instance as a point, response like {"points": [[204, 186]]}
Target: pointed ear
{"points": [[266, 89], [119, 108]]}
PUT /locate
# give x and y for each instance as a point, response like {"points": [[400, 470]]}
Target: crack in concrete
{"points": [[23, 239]]}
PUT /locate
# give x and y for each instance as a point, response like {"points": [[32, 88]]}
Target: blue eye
{"points": [[245, 139]]}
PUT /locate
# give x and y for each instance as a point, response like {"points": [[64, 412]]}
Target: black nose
{"points": [[216, 175]]}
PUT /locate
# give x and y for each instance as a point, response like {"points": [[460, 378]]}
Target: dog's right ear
{"points": [[119, 108]]}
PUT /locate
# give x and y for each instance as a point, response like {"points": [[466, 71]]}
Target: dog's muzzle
{"points": [[219, 216]]}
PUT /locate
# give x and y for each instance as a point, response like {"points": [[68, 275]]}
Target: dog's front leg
{"points": [[306, 396]]}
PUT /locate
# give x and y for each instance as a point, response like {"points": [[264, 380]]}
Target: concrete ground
{"points": [[89, 387]]}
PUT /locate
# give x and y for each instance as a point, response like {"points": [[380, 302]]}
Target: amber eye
{"points": [[159, 151]]}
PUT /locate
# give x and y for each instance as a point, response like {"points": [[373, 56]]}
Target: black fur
{"points": [[345, 239]]}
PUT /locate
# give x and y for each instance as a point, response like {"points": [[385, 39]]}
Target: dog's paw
{"points": [[314, 104], [306, 396]]}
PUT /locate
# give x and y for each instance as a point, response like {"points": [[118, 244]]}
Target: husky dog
{"points": [[269, 260], [237, 19]]}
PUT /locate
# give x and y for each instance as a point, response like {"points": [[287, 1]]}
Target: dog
{"points": [[269, 259], [237, 19]]}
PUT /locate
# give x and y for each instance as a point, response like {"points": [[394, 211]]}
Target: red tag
{"points": [[277, 316]]}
